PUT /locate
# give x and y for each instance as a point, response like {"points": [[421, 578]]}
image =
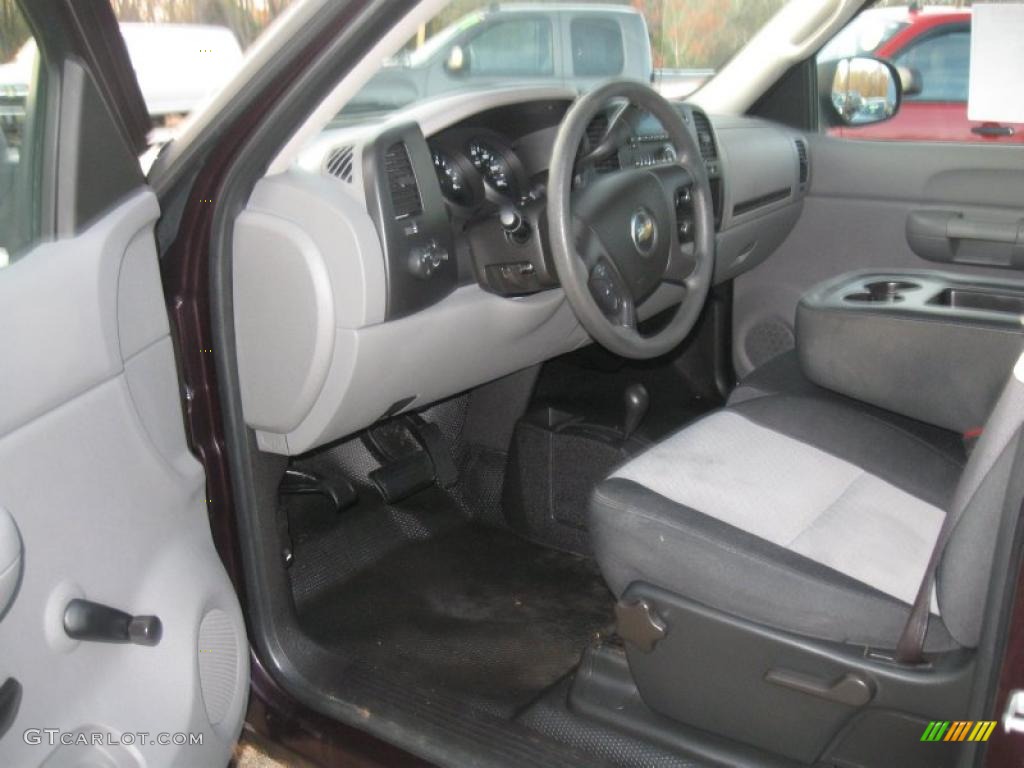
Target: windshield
{"points": [[676, 45], [184, 51], [416, 56]]}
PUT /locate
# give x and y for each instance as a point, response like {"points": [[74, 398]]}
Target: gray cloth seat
{"points": [[811, 513]]}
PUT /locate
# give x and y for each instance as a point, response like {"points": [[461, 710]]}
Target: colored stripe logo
{"points": [[958, 730]]}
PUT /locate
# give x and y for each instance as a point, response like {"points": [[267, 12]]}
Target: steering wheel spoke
{"points": [[678, 184], [589, 247], [612, 294], [682, 262]]}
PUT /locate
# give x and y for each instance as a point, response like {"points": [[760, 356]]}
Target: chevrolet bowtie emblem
{"points": [[643, 230]]}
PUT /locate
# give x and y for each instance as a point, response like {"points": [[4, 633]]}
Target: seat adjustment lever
{"points": [[86, 620], [851, 689], [637, 623]]}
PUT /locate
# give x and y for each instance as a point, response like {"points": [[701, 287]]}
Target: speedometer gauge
{"points": [[453, 182]]}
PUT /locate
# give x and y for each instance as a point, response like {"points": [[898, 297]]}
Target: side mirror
{"points": [[457, 61], [865, 90]]}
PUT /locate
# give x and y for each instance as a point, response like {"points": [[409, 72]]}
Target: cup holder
{"points": [[883, 291]]}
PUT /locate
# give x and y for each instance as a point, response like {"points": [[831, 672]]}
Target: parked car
{"points": [[550, 43], [934, 45]]}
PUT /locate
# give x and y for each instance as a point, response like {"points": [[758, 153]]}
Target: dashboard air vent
{"points": [[705, 136], [339, 163], [801, 151], [595, 132], [405, 194]]}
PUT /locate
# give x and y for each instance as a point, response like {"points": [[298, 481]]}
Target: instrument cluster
{"points": [[475, 166]]}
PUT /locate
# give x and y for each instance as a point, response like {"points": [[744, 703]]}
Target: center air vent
{"points": [[805, 168], [405, 194], [705, 136], [339, 163]]}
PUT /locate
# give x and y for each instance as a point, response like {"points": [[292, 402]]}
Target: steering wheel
{"points": [[615, 241]]}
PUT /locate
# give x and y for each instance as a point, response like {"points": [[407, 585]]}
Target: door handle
{"points": [[851, 689], [963, 228], [85, 620], [993, 130]]}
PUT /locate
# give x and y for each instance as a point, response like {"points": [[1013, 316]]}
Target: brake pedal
{"points": [[413, 456], [401, 479]]}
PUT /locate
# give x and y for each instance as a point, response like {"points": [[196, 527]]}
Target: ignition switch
{"points": [[517, 230]]}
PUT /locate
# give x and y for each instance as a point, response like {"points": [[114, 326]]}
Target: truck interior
{"points": [[604, 429]]}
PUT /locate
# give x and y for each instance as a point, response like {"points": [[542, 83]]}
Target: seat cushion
{"points": [[807, 514]]}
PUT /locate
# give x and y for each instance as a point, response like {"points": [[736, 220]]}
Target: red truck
{"points": [[935, 43]]}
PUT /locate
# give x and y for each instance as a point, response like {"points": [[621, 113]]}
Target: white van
{"points": [[204, 57]]}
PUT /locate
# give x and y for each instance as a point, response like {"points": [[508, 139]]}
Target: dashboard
{"points": [[404, 262], [491, 171]]}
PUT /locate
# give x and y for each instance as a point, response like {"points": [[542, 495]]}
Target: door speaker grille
{"points": [[767, 339], [218, 663]]}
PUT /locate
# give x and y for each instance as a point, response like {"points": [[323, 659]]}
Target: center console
{"points": [[933, 346]]}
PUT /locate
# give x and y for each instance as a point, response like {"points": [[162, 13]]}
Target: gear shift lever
{"points": [[637, 403]]}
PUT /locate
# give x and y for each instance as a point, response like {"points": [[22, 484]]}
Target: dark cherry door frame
{"points": [[185, 268]]}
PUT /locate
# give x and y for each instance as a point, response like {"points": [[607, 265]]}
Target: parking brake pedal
{"points": [[299, 482], [338, 491]]}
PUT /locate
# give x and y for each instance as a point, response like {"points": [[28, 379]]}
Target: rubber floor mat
{"points": [[473, 611]]}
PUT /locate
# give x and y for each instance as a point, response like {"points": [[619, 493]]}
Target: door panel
{"points": [[101, 499], [855, 216], [110, 506]]}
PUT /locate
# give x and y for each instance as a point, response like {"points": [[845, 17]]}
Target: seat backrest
{"points": [[986, 492]]}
